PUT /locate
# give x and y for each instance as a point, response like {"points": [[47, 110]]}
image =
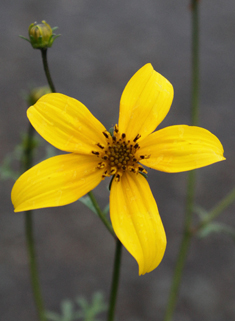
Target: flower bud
{"points": [[37, 93], [41, 35]]}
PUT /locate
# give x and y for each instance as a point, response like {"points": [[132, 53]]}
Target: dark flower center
{"points": [[119, 156]]}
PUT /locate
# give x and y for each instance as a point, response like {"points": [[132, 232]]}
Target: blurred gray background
{"points": [[102, 44]]}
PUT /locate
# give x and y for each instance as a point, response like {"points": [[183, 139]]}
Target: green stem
{"points": [[33, 266], [46, 69], [183, 251], [115, 281], [195, 62], [27, 157], [26, 163], [218, 209], [185, 243], [100, 213]]}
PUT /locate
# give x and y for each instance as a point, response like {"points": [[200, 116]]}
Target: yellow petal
{"points": [[66, 123], [57, 181], [145, 102], [181, 148], [136, 221]]}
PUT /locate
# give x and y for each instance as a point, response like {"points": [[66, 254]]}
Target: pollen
{"points": [[119, 155]]}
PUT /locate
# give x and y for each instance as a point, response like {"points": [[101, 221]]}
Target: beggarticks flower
{"points": [[94, 154]]}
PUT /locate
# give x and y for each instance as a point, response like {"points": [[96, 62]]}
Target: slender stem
{"points": [[191, 184], [185, 243], [183, 251], [115, 280], [46, 69], [27, 157], [33, 266], [195, 62], [100, 213], [26, 163]]}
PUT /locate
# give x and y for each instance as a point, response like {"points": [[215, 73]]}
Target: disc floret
{"points": [[119, 155]]}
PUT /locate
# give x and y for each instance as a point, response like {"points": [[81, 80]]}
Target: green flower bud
{"points": [[41, 35], [37, 93]]}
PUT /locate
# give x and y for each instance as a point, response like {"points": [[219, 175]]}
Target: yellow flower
{"points": [[94, 154]]}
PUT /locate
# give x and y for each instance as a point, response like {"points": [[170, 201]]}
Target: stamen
{"points": [[123, 135], [101, 146], [113, 170], [106, 134], [142, 170], [95, 153], [136, 146], [136, 138], [105, 174], [101, 165], [117, 177], [144, 156]]}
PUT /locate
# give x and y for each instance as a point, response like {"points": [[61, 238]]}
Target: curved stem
{"points": [[185, 243], [46, 69], [115, 281], [100, 213]]}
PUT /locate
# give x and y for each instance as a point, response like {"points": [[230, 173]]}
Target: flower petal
{"points": [[66, 123], [57, 181], [136, 221], [181, 148], [145, 102]]}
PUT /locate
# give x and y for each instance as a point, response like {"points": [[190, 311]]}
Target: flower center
{"points": [[119, 156]]}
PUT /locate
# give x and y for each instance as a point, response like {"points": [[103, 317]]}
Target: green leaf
{"points": [[106, 209], [51, 316], [90, 311], [201, 212], [215, 227], [67, 310], [6, 172], [87, 201], [86, 311]]}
